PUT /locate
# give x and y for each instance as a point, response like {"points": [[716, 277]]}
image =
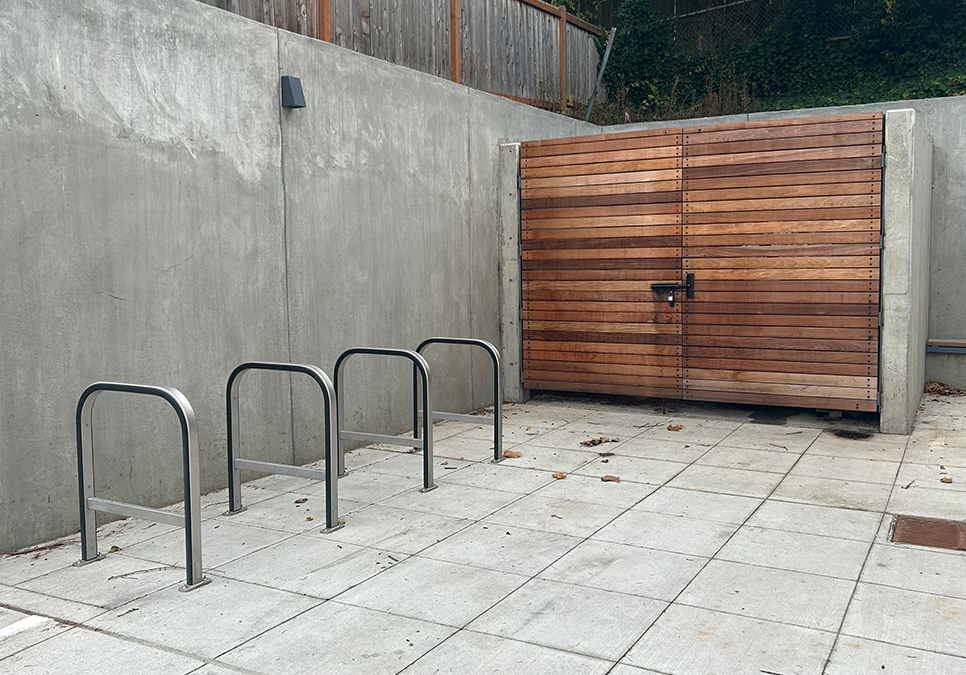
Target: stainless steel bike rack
{"points": [[426, 442], [496, 420], [236, 463], [89, 504]]}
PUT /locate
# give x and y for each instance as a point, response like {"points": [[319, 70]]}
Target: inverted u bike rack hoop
{"points": [[89, 504], [426, 442], [496, 420], [236, 463]]}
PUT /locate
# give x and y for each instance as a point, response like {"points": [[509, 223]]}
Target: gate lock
{"points": [[668, 289]]}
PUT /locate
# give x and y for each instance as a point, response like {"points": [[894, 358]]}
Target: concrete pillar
{"points": [[511, 329], [907, 185]]}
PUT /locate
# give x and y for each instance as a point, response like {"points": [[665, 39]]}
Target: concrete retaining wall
{"points": [[164, 220]]}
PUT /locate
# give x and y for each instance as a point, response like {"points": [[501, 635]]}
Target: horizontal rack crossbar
{"points": [[404, 441], [134, 511], [284, 469]]}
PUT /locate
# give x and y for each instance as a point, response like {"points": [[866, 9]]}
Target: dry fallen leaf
{"points": [[309, 518], [512, 454], [114, 549], [528, 429], [945, 479], [610, 479], [675, 427], [445, 463], [302, 500], [559, 476], [591, 442], [554, 515]]}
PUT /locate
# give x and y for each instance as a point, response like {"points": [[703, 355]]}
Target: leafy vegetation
{"points": [[783, 54]]}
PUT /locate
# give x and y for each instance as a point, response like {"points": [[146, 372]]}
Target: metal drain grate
{"points": [[948, 534]]}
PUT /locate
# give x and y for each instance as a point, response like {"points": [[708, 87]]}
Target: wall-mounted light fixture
{"points": [[292, 96]]}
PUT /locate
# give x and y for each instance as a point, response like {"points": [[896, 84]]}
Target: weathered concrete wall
{"points": [[944, 121], [162, 220]]}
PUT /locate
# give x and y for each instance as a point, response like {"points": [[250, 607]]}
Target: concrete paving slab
{"points": [[855, 656], [577, 619], [411, 464], [847, 468], [770, 594], [728, 481], [336, 638], [30, 602], [107, 583], [549, 459], [928, 503], [365, 456], [470, 653], [498, 477], [288, 512], [693, 641], [18, 631], [907, 618], [626, 569], [453, 500], [703, 431], [465, 448], [459, 593], [396, 529], [820, 520], [719, 508], [503, 548], [561, 516], [930, 476], [16, 568], [917, 568], [667, 533], [593, 490], [634, 469], [513, 434], [231, 612], [368, 486], [85, 652], [771, 437], [835, 493], [221, 540], [936, 446], [310, 564], [570, 437], [828, 556], [774, 461], [654, 448], [883, 447]]}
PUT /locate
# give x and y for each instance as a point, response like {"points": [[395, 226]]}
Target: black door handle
{"points": [[667, 290]]}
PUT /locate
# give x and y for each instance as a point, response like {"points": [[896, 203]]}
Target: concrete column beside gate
{"points": [[906, 200], [511, 328]]}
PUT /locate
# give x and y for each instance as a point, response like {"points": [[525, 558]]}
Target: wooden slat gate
{"points": [[779, 221]]}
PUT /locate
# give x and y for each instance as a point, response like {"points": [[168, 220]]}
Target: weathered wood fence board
{"points": [[507, 47], [779, 222]]}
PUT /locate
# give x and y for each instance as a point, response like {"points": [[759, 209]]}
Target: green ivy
{"points": [[895, 50]]}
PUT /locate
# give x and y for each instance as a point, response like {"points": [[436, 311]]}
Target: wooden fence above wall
{"points": [[526, 50]]}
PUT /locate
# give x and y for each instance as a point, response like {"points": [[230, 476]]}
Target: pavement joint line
{"points": [[865, 561]]}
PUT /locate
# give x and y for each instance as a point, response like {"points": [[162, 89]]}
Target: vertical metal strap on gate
{"points": [[236, 463], [496, 420], [426, 442], [89, 504]]}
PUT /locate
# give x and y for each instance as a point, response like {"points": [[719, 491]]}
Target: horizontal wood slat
{"points": [[604, 347], [703, 147], [823, 176], [604, 388], [780, 223], [788, 131]]}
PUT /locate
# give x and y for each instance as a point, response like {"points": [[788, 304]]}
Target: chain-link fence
{"points": [[707, 26]]}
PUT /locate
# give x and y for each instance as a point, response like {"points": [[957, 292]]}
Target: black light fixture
{"points": [[292, 96]]}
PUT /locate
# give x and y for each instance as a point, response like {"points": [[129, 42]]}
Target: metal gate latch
{"points": [[668, 289]]}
